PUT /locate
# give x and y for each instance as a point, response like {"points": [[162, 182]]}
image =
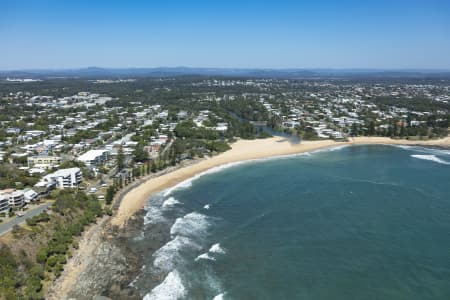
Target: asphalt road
{"points": [[5, 227]]}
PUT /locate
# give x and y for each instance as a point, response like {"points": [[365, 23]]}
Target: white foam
{"points": [[182, 185], [331, 149], [188, 182], [219, 297], [166, 257], [205, 256], [171, 288], [170, 202], [207, 206], [192, 224], [217, 249], [423, 149], [431, 158], [154, 215], [404, 147]]}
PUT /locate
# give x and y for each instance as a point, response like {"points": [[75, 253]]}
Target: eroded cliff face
{"points": [[103, 267]]}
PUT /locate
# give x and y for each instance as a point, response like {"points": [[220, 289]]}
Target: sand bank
{"points": [[242, 150]]}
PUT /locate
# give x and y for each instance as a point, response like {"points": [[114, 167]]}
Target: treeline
{"points": [[417, 104], [247, 109], [10, 176], [400, 129]]}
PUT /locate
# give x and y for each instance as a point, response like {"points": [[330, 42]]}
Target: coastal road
{"points": [[5, 227]]}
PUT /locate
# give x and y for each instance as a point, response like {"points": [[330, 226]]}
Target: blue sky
{"points": [[391, 34]]}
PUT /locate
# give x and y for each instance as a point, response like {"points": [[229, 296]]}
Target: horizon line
{"points": [[444, 69]]}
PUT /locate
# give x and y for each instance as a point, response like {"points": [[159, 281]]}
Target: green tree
{"points": [[109, 195], [139, 155], [120, 159]]}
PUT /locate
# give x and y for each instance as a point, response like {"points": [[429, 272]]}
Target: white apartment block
{"points": [[65, 178], [94, 157], [15, 198], [4, 203]]}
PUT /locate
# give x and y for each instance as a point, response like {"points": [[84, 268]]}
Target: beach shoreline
{"points": [[133, 200], [241, 151]]}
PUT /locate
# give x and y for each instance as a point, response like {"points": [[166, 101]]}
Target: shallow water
{"points": [[357, 222]]}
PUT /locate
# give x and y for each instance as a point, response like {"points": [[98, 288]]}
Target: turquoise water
{"points": [[360, 222]]}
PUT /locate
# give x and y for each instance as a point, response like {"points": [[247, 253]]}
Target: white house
{"points": [[65, 178]]}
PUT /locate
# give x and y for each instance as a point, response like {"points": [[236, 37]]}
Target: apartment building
{"points": [[65, 178]]}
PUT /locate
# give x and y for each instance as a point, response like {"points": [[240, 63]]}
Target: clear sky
{"points": [[232, 33]]}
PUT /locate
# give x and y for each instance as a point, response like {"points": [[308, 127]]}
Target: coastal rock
{"points": [[102, 269], [106, 272]]}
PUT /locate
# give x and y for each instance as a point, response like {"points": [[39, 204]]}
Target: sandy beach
{"points": [[242, 150]]}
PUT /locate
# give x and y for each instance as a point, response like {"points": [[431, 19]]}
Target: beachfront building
{"points": [[15, 198], [94, 158], [43, 161], [4, 203], [44, 187], [30, 195], [65, 178]]}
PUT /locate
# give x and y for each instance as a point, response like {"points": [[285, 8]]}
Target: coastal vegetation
{"points": [[37, 253]]}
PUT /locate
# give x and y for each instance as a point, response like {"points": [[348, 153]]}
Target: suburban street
{"points": [[5, 227]]}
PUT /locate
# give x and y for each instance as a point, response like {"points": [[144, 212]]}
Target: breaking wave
{"points": [[193, 224], [205, 256], [219, 297], [167, 257], [171, 288], [170, 202], [433, 158], [217, 249], [154, 214]]}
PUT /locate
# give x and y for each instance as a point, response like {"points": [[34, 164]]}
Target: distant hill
{"points": [[96, 72]]}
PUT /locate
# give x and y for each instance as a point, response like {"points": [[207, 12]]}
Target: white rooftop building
{"points": [[30, 195], [4, 203], [94, 157], [15, 198], [65, 178]]}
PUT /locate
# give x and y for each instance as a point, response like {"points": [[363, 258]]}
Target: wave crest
{"points": [[171, 288], [168, 255], [192, 224], [170, 202], [429, 157]]}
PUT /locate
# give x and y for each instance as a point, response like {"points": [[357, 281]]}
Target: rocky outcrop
{"points": [[102, 268]]}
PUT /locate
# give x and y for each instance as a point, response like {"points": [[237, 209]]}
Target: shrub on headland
{"points": [[21, 273]]}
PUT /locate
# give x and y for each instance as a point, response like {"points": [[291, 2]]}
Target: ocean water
{"points": [[356, 222]]}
